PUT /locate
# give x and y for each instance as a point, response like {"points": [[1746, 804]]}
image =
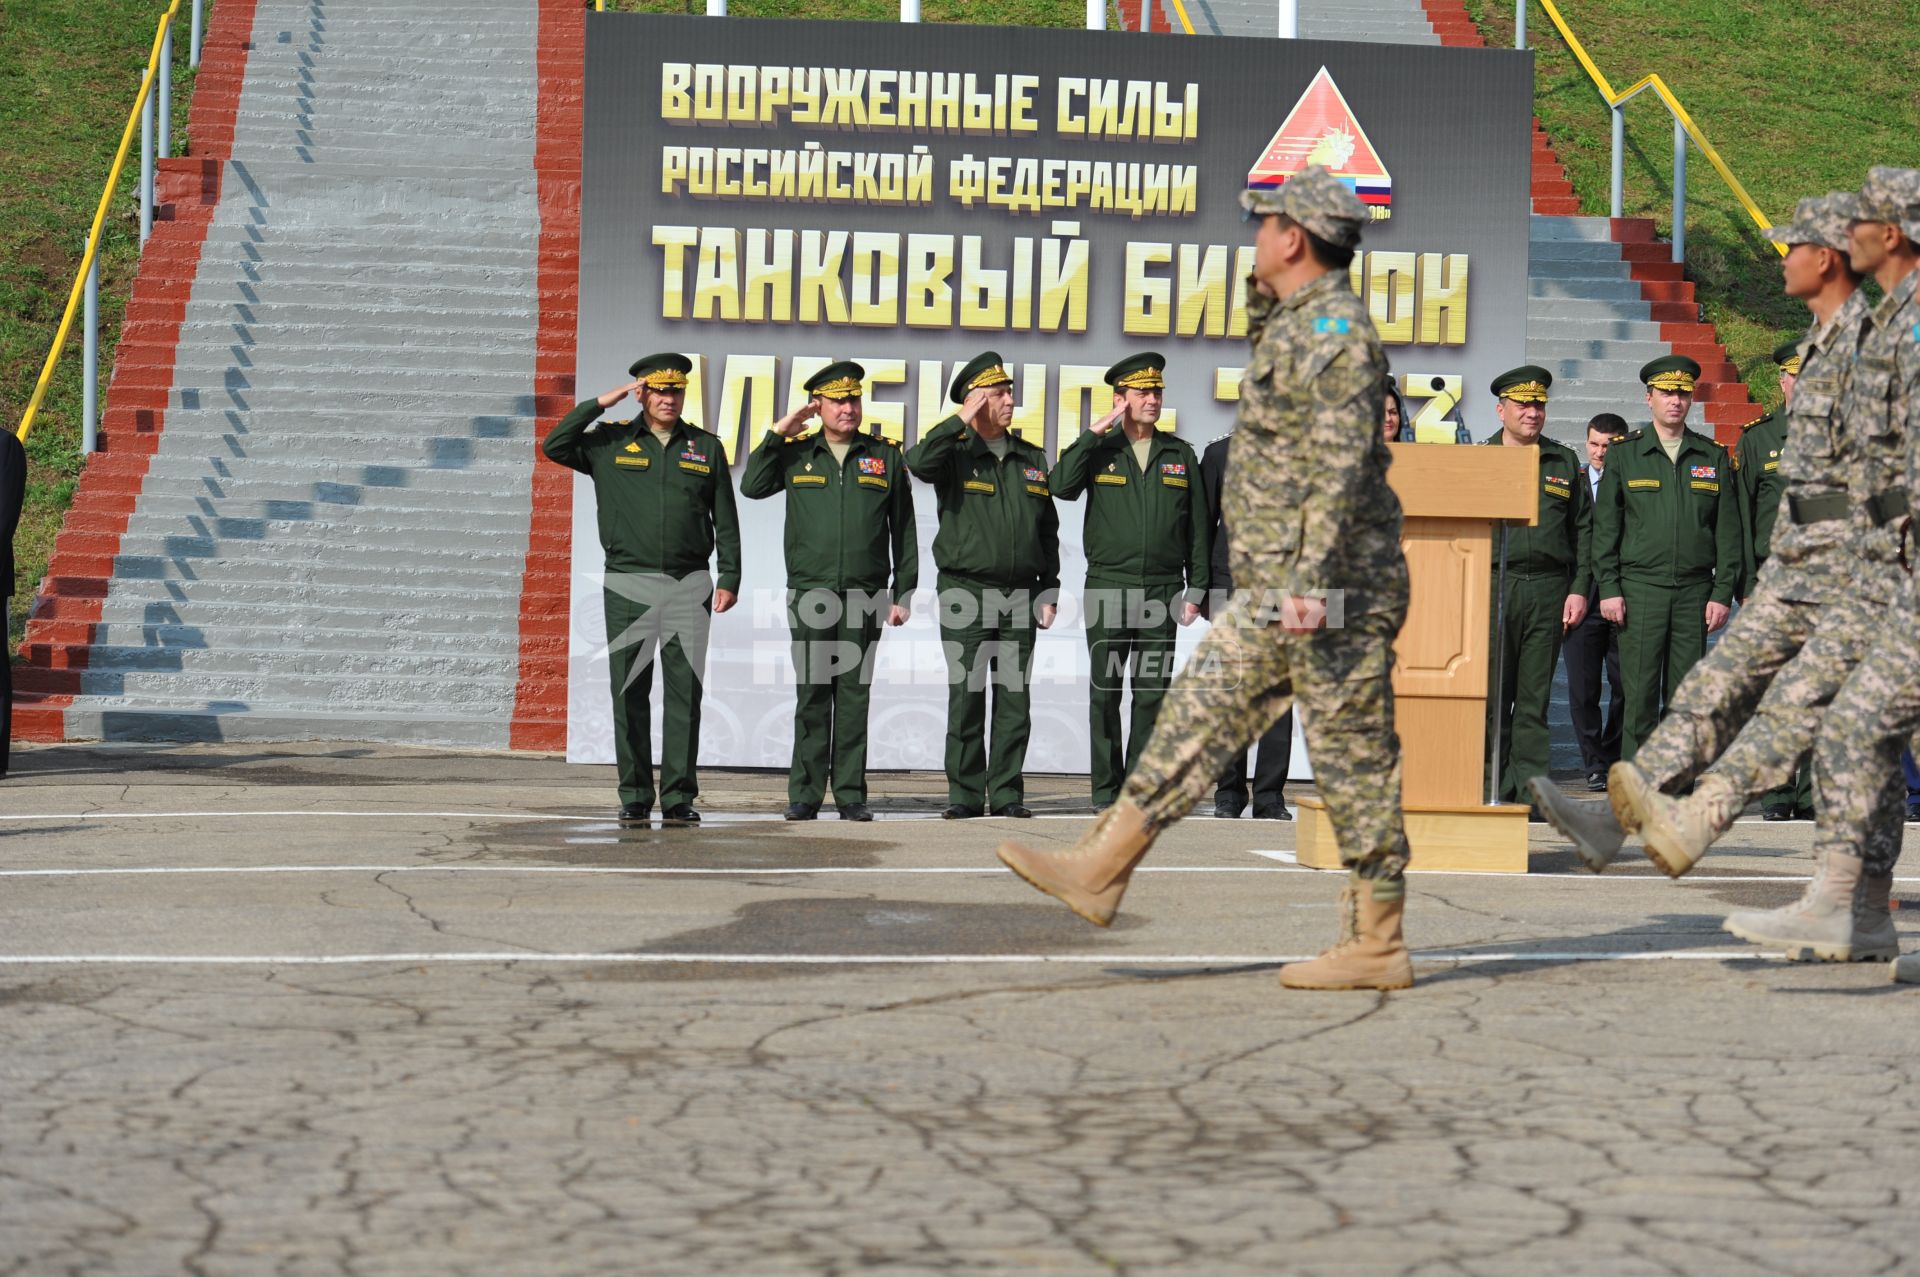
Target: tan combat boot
{"points": [[1091, 876], [1905, 970], [1678, 831], [1370, 954], [1825, 924], [1627, 790], [1588, 822]]}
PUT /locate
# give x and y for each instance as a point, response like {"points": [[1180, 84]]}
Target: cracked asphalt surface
{"points": [[420, 1012]]}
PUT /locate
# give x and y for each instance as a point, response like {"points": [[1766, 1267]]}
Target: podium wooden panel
{"points": [[1451, 497]]}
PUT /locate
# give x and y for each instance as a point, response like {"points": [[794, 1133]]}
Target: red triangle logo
{"points": [[1322, 129]]}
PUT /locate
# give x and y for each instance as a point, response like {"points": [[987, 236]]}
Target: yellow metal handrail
{"points": [[99, 221], [1682, 119]]}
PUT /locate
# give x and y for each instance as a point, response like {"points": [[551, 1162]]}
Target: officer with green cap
{"points": [[1666, 545], [1546, 583], [998, 556], [850, 535], [665, 506], [1146, 540], [1759, 484]]}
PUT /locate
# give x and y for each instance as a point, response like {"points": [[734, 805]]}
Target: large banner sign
{"points": [[767, 197]]}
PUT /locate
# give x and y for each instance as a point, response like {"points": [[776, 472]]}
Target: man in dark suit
{"points": [[1276, 746], [1596, 641], [13, 493]]}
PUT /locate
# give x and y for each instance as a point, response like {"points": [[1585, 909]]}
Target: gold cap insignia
{"points": [[842, 388], [1144, 379], [665, 379], [1791, 367], [1525, 392], [991, 376], [1671, 381]]}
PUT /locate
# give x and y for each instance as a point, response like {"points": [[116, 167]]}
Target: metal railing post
{"points": [[146, 167], [1096, 15], [90, 357], [1679, 190], [716, 8], [1289, 19], [194, 33], [165, 109], [909, 10], [1619, 164], [1519, 24]]}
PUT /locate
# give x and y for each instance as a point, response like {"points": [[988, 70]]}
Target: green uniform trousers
{"points": [[1665, 633], [1796, 795], [987, 633], [1530, 650], [1130, 636], [666, 624], [836, 637]]}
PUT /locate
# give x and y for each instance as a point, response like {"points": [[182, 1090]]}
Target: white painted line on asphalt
{"points": [[836, 959], [235, 815], [707, 871]]}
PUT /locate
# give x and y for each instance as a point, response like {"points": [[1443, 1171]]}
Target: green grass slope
{"points": [[1797, 99]]}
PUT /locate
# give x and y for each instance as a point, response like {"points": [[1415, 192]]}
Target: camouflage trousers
{"points": [[1240, 679], [1746, 716], [1860, 789]]}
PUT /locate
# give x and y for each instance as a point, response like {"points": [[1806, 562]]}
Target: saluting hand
{"points": [[796, 421], [1119, 414], [618, 393], [972, 407]]}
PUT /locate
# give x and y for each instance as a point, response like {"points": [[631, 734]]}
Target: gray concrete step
{"points": [[380, 581], [1583, 289], [353, 614], [1549, 327], [148, 719], [429, 667], [1542, 228], [454, 695], [301, 639], [374, 397], [377, 536], [187, 597], [511, 314]]}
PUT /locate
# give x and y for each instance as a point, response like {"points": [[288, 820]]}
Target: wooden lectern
{"points": [[1443, 664]]}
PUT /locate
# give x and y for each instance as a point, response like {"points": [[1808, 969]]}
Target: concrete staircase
{"points": [[328, 491], [1378, 21]]}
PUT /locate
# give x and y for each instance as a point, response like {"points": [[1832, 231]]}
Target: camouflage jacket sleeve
{"points": [[1343, 379]]}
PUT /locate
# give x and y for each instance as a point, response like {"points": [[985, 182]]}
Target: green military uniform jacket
{"points": [[998, 523], [1561, 543], [1667, 523], [1759, 485], [663, 510], [849, 524], [1145, 526]]}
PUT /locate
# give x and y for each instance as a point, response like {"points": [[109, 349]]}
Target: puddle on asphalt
{"points": [[856, 928], [770, 845]]}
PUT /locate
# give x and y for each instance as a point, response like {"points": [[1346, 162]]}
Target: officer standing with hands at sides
{"points": [[849, 528], [1315, 527], [1147, 559], [665, 505], [1275, 756], [1545, 586], [1666, 546], [1759, 484], [998, 557], [1593, 645]]}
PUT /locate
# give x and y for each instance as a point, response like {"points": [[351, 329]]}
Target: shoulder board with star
{"points": [[1633, 436], [1756, 421], [807, 437]]}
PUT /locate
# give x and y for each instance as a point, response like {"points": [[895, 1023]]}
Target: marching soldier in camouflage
{"points": [[1758, 483], [1146, 539], [1546, 582], [665, 504], [1821, 600], [998, 555], [1666, 546], [849, 526], [1323, 591]]}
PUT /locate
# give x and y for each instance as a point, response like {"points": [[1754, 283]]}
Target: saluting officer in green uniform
{"points": [[1146, 539], [665, 505], [1666, 546], [1757, 483], [849, 527], [998, 555], [1547, 581]]}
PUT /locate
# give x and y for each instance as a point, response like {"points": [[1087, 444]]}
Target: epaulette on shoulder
{"points": [[1756, 421], [1633, 436], [808, 437]]}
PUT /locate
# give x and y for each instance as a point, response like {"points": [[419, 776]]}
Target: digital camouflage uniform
{"points": [[1746, 715], [1308, 501]]}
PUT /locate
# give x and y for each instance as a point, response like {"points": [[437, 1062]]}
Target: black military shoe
{"points": [[1227, 809], [960, 811], [1272, 811], [1597, 782], [1913, 813], [1019, 811], [1805, 813], [636, 813], [857, 811], [800, 811], [681, 813], [1776, 813], [1100, 807]]}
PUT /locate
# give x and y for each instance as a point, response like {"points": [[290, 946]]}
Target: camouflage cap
{"points": [[1317, 200], [1892, 195], [1820, 220]]}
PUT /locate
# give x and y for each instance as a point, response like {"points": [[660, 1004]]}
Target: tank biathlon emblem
{"points": [[1322, 129]]}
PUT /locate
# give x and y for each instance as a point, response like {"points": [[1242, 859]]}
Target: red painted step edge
{"points": [[68, 604], [1724, 401], [540, 698]]}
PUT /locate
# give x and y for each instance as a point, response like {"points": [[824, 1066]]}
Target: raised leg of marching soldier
{"points": [[1130, 637], [1238, 681]]}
